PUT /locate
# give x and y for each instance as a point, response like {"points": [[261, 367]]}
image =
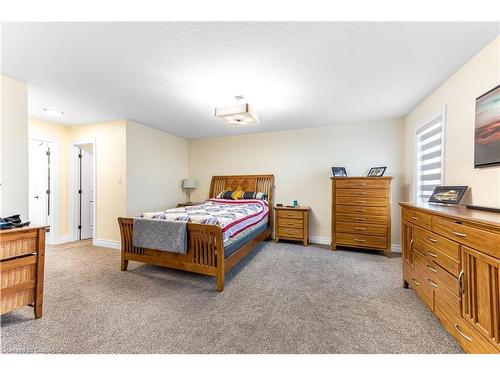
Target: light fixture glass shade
{"points": [[189, 183], [53, 112], [238, 115]]}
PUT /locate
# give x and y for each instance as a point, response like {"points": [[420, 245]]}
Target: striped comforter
{"points": [[233, 216]]}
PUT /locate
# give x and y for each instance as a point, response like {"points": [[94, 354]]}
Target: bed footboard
{"points": [[205, 251]]}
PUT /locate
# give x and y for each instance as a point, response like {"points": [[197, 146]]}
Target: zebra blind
{"points": [[430, 158]]}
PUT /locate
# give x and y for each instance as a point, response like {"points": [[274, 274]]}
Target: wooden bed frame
{"points": [[205, 252]]}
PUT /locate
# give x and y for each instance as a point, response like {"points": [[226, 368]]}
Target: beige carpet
{"points": [[283, 298]]}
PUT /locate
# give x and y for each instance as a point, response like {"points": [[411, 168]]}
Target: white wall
{"points": [[156, 164], [14, 148], [300, 161], [458, 93]]}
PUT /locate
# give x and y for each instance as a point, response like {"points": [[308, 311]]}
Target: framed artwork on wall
{"points": [[487, 129]]}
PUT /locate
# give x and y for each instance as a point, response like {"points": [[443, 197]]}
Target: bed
{"points": [[209, 252]]}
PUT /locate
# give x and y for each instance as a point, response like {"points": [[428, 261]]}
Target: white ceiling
{"points": [[171, 75]]}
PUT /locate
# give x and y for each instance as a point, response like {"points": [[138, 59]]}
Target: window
{"points": [[430, 157]]}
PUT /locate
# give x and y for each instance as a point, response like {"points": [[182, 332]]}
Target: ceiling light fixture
{"points": [[53, 112], [238, 115]]}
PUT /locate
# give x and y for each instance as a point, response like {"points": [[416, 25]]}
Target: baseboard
{"points": [[395, 247], [101, 242], [320, 240], [63, 239]]}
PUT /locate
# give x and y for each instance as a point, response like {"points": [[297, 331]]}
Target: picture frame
{"points": [[487, 129], [376, 171], [447, 194], [339, 172]]}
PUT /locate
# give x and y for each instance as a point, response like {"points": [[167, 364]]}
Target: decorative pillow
{"points": [[238, 194]]}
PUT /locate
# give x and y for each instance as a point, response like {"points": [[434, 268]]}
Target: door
{"points": [[480, 283], [86, 191], [39, 182]]}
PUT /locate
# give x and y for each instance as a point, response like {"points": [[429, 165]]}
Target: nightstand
{"points": [[185, 204], [292, 223]]}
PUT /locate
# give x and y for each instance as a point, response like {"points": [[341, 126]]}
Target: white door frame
{"points": [[54, 199], [74, 182]]}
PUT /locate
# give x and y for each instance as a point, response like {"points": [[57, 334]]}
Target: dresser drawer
{"points": [[16, 244], [471, 340], [290, 223], [437, 256], [372, 211], [362, 201], [374, 193], [19, 271], [360, 218], [447, 307], [361, 183], [423, 289], [476, 238], [418, 218], [289, 214], [450, 248], [360, 240], [362, 228]]}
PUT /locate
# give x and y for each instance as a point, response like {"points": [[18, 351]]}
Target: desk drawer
{"points": [[362, 228], [374, 193], [362, 201], [479, 239]]}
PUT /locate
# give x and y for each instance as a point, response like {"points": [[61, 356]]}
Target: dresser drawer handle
{"points": [[432, 254], [431, 269], [461, 281], [463, 334], [432, 239], [360, 201], [432, 283], [360, 193], [415, 282], [359, 228], [359, 210], [358, 240], [413, 217], [459, 234], [360, 218]]}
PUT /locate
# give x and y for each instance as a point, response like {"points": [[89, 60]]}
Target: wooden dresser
{"points": [[22, 258], [451, 258], [361, 213], [292, 223]]}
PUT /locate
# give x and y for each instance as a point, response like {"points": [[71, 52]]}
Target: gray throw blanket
{"points": [[160, 235]]}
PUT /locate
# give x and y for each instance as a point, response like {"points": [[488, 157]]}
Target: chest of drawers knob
{"points": [[414, 217], [358, 240], [434, 285], [431, 269], [432, 239], [457, 327], [459, 234], [359, 228], [432, 254]]}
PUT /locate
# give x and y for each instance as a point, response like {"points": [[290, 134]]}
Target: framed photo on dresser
{"points": [[339, 172], [376, 171]]}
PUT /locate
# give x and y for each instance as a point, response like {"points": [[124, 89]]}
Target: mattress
{"points": [[233, 244], [233, 216]]}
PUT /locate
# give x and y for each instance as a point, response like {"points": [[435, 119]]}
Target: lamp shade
{"points": [[189, 183]]}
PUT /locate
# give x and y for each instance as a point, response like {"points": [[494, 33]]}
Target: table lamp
{"points": [[189, 184]]}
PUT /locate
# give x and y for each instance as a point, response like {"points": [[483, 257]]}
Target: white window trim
{"points": [[441, 113]]}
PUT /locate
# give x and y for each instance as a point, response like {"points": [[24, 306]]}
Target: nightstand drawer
{"points": [[290, 233], [374, 193], [289, 214], [284, 222], [362, 201]]}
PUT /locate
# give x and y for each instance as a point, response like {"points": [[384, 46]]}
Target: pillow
{"points": [[238, 194]]}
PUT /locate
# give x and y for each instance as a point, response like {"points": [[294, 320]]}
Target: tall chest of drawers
{"points": [[361, 213], [22, 259], [451, 258]]}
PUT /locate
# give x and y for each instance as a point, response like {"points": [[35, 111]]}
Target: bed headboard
{"points": [[259, 182]]}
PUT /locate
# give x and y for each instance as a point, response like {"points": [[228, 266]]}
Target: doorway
{"points": [[84, 190], [39, 183]]}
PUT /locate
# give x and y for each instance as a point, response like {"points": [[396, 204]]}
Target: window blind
{"points": [[429, 158]]}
